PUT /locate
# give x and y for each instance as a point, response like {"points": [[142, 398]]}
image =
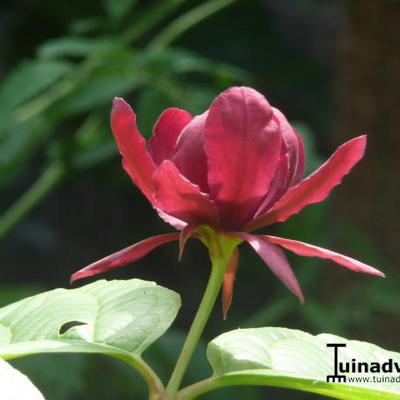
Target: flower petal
{"points": [[125, 256], [317, 186], [166, 132], [293, 146], [175, 222], [186, 234], [309, 250], [278, 187], [242, 144], [229, 280], [190, 157], [276, 260], [301, 160], [132, 146], [290, 167], [178, 197]]}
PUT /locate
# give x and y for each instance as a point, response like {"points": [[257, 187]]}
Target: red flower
{"points": [[235, 168]]}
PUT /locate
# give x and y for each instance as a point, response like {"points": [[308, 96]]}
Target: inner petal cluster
{"points": [[241, 153]]}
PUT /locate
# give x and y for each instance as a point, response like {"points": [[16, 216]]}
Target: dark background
{"points": [[332, 67]]}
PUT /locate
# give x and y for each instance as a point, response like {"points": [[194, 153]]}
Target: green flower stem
{"points": [[219, 254]]}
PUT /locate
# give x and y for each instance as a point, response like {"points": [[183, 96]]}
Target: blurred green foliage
{"points": [[54, 128], [57, 103]]}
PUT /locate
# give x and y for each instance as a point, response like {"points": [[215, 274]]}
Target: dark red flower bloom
{"points": [[235, 168]]}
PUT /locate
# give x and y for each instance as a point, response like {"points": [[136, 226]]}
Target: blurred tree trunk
{"points": [[369, 102]]}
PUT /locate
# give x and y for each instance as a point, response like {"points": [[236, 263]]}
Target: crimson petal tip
{"points": [[317, 186], [125, 256], [309, 250], [276, 260], [228, 283], [74, 278], [117, 100]]}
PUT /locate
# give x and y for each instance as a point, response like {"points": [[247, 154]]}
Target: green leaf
{"points": [[14, 385], [72, 47], [20, 140], [118, 8], [28, 80], [97, 93], [178, 61], [116, 318], [186, 21], [149, 106], [94, 144], [293, 359], [84, 26]]}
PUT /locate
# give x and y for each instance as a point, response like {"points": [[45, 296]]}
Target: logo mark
{"points": [[336, 377]]}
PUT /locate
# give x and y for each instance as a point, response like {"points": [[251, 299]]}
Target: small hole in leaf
{"points": [[68, 325]]}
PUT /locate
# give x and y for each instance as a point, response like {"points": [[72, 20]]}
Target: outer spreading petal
{"points": [[308, 250], [242, 144], [229, 280], [166, 132], [317, 186], [178, 197], [132, 146], [275, 259], [190, 157], [125, 256]]}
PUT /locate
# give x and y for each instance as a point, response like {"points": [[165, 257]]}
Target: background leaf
{"points": [[71, 46], [28, 80], [118, 9]]}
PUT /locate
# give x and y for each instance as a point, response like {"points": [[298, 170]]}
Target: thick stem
{"points": [[219, 259]]}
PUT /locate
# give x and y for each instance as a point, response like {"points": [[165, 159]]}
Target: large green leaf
{"points": [[294, 359], [16, 386], [118, 318]]}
